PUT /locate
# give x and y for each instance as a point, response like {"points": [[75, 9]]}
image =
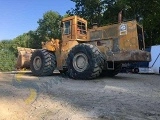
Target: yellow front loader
{"points": [[86, 53]]}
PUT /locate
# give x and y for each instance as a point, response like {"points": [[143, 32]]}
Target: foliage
{"points": [[146, 12], [49, 26], [34, 40], [7, 57], [91, 10]]}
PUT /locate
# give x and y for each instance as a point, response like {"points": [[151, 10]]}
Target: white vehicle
{"points": [[154, 65]]}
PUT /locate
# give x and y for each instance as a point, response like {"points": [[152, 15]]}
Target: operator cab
{"points": [[74, 28]]}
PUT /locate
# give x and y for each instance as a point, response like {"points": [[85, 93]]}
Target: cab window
{"points": [[81, 27], [67, 27]]}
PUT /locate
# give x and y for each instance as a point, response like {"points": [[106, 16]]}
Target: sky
{"points": [[20, 16]]}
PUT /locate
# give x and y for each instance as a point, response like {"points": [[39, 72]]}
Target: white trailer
{"points": [[154, 65]]}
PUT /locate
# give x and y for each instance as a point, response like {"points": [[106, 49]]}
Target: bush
{"points": [[7, 60]]}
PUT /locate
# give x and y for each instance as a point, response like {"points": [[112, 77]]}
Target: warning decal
{"points": [[123, 29]]}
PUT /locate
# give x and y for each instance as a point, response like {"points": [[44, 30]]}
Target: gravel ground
{"points": [[123, 97]]}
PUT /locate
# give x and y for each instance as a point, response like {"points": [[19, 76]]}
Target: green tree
{"points": [[34, 40], [146, 12], [19, 41], [49, 26], [91, 10]]}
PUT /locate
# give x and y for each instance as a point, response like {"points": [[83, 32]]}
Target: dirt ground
{"points": [[124, 97]]}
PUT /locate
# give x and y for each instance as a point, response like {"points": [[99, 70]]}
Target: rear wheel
{"points": [[42, 63], [84, 62]]}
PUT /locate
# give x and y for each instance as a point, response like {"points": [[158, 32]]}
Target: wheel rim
{"points": [[37, 62], [80, 62]]}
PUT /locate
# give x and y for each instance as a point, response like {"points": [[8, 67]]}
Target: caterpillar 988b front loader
{"points": [[86, 53]]}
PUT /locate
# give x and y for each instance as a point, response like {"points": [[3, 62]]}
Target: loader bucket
{"points": [[24, 55]]}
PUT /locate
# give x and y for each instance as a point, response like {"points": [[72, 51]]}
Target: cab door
{"points": [[64, 44], [66, 34]]}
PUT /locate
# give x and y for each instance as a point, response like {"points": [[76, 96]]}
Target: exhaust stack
{"points": [[120, 17]]}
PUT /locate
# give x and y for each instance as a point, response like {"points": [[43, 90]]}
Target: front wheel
{"points": [[84, 62], [42, 63]]}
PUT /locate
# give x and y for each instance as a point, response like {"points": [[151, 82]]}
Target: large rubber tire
{"points": [[84, 62], [112, 73], [42, 63]]}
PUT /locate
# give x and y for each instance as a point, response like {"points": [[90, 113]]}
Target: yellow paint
{"points": [[33, 93], [19, 75], [31, 97]]}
